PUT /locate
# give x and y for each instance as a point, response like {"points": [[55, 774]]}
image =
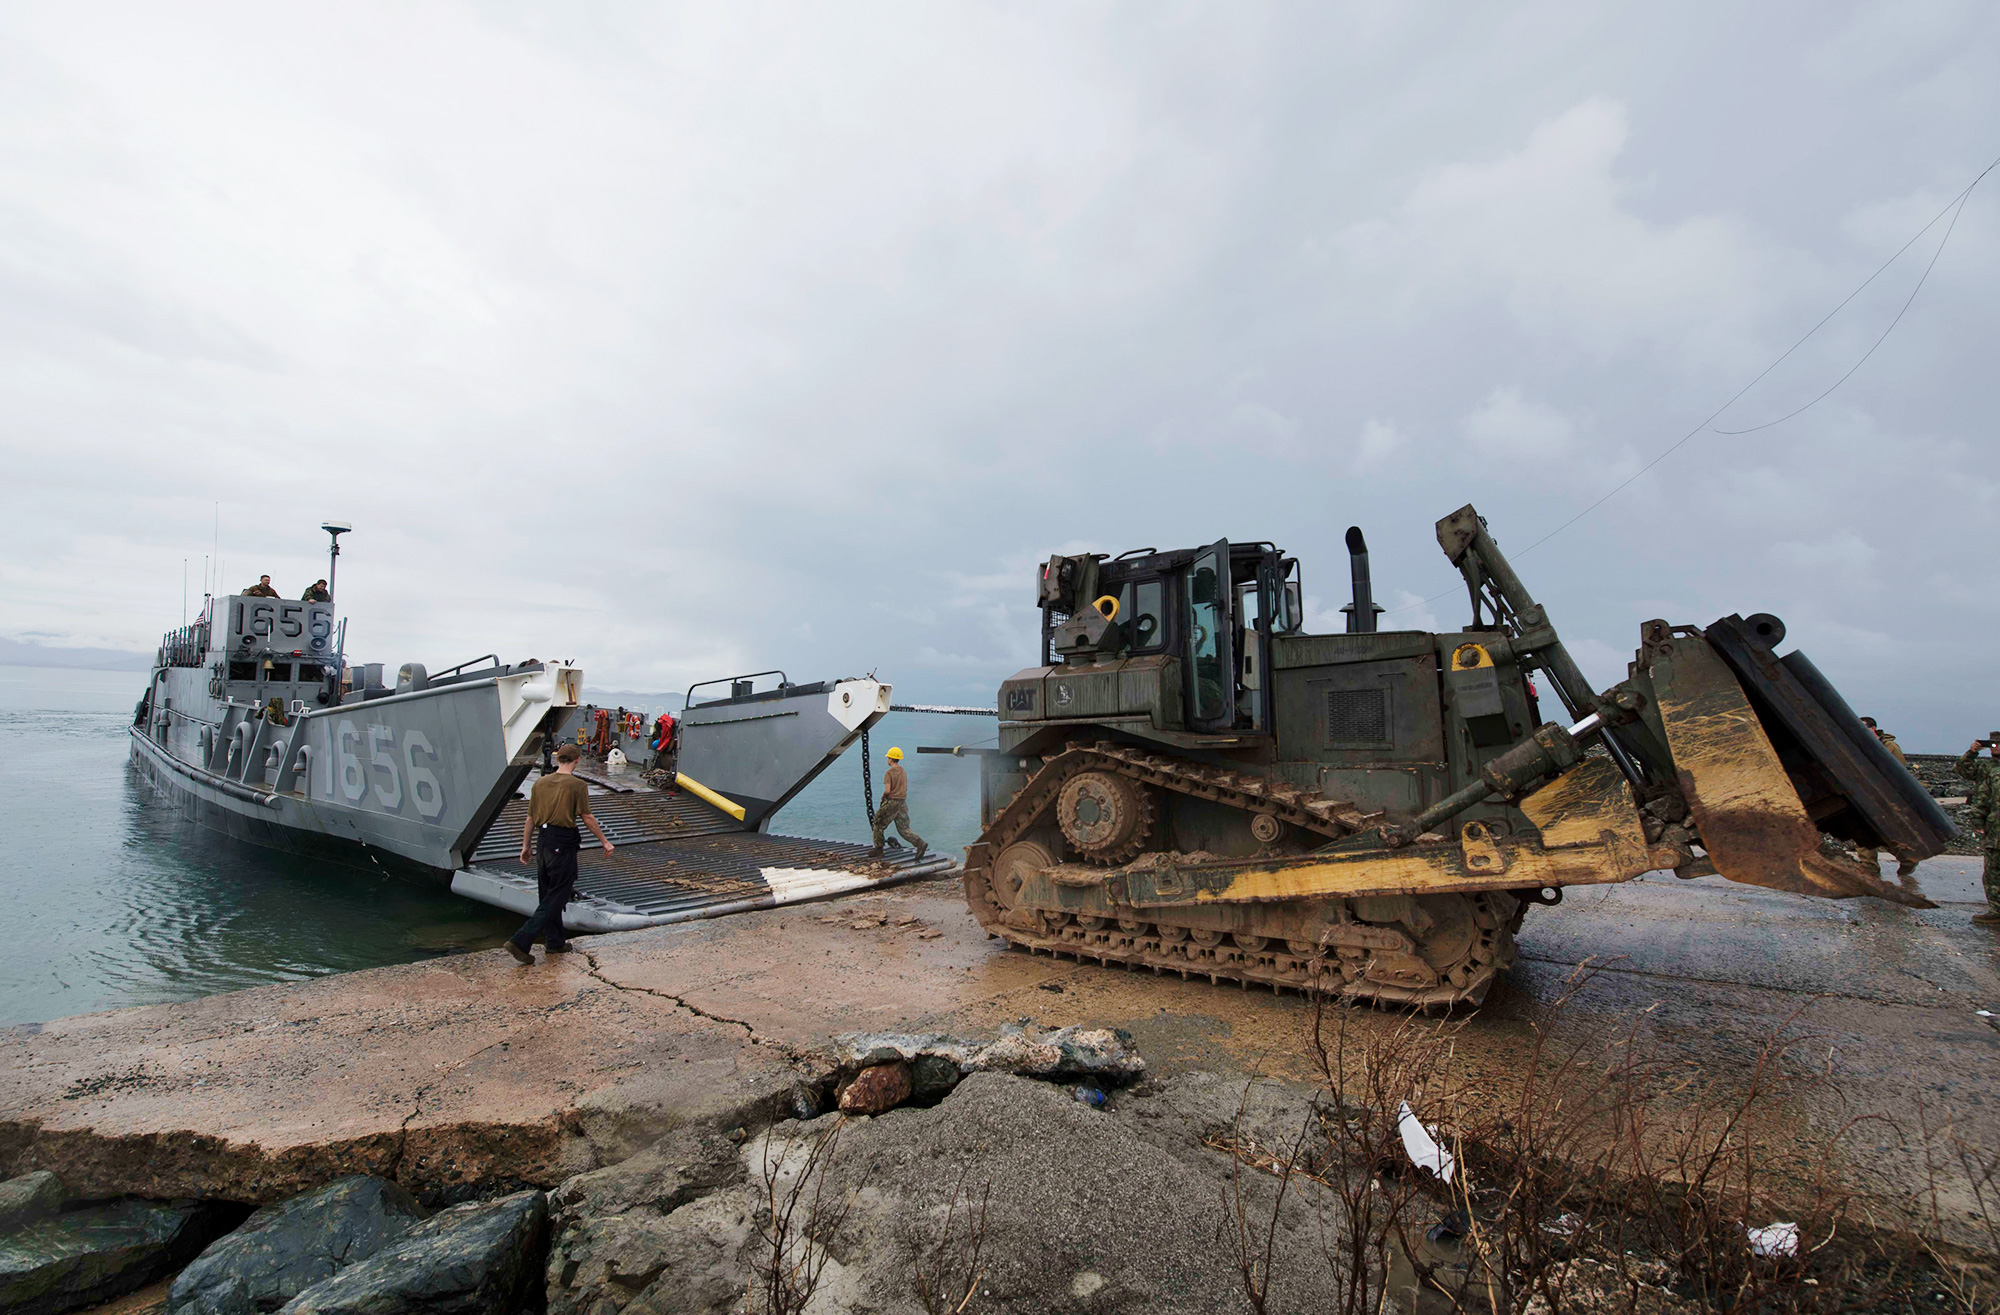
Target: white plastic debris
{"points": [[1423, 1149], [1774, 1240], [1985, 1013]]}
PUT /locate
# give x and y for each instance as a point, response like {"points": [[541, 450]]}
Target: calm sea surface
{"points": [[115, 900]]}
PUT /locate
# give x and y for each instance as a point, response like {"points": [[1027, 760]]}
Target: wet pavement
{"points": [[470, 1068]]}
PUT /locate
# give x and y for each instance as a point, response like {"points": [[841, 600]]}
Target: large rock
{"points": [[1100, 1055], [875, 1090], [611, 1236], [1086, 1212], [285, 1248], [1083, 1212], [95, 1254], [480, 1258], [30, 1197], [1068, 1054], [684, 1164], [695, 1261], [931, 1078]]}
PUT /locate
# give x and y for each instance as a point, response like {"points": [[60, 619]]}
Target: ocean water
{"points": [[115, 900], [944, 791]]}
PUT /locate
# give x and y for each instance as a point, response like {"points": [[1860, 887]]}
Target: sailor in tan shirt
{"points": [[550, 841], [895, 806]]}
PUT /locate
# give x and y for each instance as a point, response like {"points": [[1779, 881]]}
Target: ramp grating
{"points": [[628, 819], [649, 882]]}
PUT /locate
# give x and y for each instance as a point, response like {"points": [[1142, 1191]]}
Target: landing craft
{"points": [[1191, 783], [256, 723]]}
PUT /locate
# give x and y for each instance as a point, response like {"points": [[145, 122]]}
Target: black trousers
{"points": [[555, 879]]}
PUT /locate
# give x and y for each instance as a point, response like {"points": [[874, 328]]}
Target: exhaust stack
{"points": [[1361, 613]]}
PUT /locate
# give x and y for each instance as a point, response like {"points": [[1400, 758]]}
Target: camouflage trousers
{"points": [[1992, 876], [897, 811]]}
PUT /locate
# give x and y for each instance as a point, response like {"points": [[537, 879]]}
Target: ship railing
{"points": [[185, 647], [466, 670], [739, 687]]}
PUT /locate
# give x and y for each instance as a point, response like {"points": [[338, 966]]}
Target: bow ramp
{"points": [[691, 826]]}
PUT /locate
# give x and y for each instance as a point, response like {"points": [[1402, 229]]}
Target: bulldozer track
{"points": [[1256, 794], [1381, 962]]}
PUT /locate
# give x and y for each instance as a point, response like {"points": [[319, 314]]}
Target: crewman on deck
{"points": [[262, 589], [316, 593], [1983, 810], [1904, 867], [895, 806], [665, 742], [550, 840], [1888, 741]]}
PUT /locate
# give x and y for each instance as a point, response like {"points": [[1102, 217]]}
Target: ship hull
{"points": [[207, 802]]}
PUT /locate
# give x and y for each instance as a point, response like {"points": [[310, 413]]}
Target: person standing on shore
{"points": [[895, 806], [1888, 741], [1905, 869], [1983, 809], [550, 841]]}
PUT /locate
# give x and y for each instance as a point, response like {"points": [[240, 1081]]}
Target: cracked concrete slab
{"points": [[438, 1075], [455, 1070]]}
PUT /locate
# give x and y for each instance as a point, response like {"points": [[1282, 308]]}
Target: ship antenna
{"points": [[334, 530]]}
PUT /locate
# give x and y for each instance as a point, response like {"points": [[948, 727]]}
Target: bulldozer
{"points": [[1189, 782]]}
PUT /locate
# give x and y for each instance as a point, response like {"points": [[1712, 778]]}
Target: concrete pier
{"points": [[473, 1070]]}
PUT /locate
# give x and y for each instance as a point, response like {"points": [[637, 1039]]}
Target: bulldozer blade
{"points": [[1805, 716], [1752, 822]]}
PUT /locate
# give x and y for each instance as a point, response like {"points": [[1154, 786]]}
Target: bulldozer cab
{"points": [[1212, 610]]}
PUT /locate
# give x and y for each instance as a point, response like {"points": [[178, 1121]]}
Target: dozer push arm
{"points": [[1550, 750], [1495, 587]]}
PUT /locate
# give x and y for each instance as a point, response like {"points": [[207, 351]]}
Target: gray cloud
{"points": [[684, 340]]}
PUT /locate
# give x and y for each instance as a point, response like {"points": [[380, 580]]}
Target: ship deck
{"points": [[677, 859]]}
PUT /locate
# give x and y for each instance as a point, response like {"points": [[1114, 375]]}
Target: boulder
{"points": [[610, 1236], [480, 1257], [92, 1255], [875, 1090], [285, 1248], [1068, 1054], [931, 1078], [1072, 1209], [1100, 1055], [30, 1197], [803, 1101], [858, 1050], [696, 1261], [680, 1166], [1079, 1210]]}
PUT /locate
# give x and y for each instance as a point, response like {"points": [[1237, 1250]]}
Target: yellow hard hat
{"points": [[895, 755]]}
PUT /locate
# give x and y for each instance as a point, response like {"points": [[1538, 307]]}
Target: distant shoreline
{"points": [[22, 653]]}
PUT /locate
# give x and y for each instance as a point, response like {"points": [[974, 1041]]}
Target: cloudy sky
{"points": [[687, 340]]}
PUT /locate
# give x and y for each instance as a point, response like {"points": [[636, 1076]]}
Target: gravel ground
{"points": [[1934, 770]]}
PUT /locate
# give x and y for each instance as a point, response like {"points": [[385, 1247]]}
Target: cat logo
{"points": [[1062, 694]]}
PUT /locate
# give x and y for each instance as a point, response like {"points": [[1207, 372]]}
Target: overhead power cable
{"points": [[1953, 208], [1956, 211]]}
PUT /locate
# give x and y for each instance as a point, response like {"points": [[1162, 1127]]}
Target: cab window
{"points": [[1206, 581], [1142, 607]]}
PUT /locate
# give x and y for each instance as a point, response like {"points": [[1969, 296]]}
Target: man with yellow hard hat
{"points": [[895, 806]]}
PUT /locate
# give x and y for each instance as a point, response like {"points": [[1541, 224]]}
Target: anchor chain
{"points": [[867, 780]]}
